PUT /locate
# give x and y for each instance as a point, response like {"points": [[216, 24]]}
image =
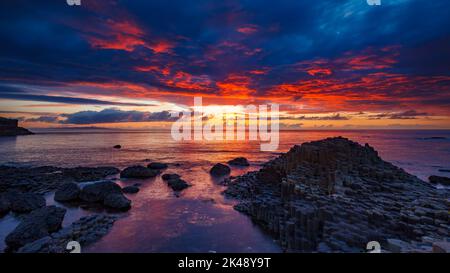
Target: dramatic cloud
{"points": [[322, 56], [410, 114], [68, 100], [49, 119], [113, 115], [332, 117]]}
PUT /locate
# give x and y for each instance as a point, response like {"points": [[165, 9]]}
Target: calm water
{"points": [[201, 219]]}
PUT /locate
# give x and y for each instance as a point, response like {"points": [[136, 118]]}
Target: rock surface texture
{"points": [[439, 180], [138, 172], [46, 179], [239, 161], [85, 231], [335, 195], [36, 225]]}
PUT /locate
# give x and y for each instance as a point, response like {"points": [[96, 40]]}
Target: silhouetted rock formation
{"points": [[439, 180], [157, 166], [239, 161], [10, 127], [336, 195], [138, 172]]}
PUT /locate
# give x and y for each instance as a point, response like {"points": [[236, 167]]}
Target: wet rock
{"points": [[96, 192], [220, 170], [117, 146], [45, 179], [177, 184], [67, 192], [25, 202], [170, 176], [434, 179], [38, 224], [85, 174], [139, 172], [86, 231], [239, 161], [130, 189], [117, 201], [157, 166]]}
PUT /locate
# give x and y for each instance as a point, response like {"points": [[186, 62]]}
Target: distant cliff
{"points": [[10, 127]]}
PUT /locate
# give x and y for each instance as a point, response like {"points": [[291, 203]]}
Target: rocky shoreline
{"points": [[40, 229], [332, 195], [335, 195]]}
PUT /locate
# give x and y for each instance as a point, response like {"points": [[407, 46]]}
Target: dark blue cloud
{"points": [[113, 115], [7, 92]]}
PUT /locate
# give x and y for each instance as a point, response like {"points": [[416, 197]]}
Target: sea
{"points": [[200, 219]]}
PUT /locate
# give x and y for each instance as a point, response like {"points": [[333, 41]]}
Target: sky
{"points": [[339, 64]]}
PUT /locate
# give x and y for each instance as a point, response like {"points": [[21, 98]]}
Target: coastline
{"points": [[50, 178]]}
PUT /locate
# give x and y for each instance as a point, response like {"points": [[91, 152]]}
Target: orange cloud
{"points": [[185, 80], [236, 85]]}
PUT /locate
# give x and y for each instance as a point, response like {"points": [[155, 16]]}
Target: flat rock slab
{"points": [[38, 224], [85, 231]]}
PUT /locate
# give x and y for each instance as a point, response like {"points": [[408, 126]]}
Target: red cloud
{"points": [[185, 80], [369, 59], [247, 29], [236, 86]]}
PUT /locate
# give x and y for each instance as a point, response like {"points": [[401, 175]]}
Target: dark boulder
{"points": [[117, 201], [157, 166], [38, 224], [25, 202], [67, 192], [220, 170], [239, 161], [85, 174], [5, 204], [177, 184], [434, 179], [140, 172], [130, 189], [169, 176], [97, 192], [117, 146]]}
